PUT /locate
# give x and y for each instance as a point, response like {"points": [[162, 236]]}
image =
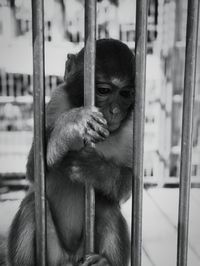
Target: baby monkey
{"points": [[72, 159]]}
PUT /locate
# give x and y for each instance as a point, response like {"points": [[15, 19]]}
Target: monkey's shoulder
{"points": [[59, 103]]}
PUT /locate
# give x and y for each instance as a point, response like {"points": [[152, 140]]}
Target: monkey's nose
{"points": [[114, 110]]}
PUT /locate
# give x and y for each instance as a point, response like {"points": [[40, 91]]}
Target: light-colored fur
{"points": [[119, 146]]}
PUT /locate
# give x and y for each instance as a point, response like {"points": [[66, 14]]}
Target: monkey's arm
{"points": [[73, 130], [68, 128], [58, 104]]}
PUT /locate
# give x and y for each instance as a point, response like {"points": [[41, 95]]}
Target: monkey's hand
{"points": [[91, 125], [95, 259], [75, 129]]}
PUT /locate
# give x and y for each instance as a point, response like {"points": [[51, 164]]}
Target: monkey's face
{"points": [[114, 80], [114, 97]]}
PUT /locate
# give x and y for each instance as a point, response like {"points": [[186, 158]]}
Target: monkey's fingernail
{"points": [[101, 119], [107, 133], [88, 256], [100, 113], [104, 121]]}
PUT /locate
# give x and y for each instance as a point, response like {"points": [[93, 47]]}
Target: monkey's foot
{"points": [[95, 260]]}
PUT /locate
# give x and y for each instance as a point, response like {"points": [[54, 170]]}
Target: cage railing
{"points": [[138, 131], [89, 100], [39, 129], [138, 119], [187, 123]]}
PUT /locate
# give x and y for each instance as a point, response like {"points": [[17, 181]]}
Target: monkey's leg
{"points": [[112, 242], [21, 243], [21, 236]]}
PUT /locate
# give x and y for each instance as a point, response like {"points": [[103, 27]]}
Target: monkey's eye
{"points": [[103, 90], [126, 93]]}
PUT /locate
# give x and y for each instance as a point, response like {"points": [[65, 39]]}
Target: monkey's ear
{"points": [[70, 66]]}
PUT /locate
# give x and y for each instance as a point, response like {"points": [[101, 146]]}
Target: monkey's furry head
{"points": [[113, 59]]}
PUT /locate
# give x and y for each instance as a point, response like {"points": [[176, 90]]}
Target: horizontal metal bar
{"points": [[138, 136], [187, 121], [39, 129], [89, 99]]}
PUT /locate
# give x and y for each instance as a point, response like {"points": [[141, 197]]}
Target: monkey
{"points": [[92, 144]]}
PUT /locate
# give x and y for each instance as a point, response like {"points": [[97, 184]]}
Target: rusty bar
{"points": [[39, 129], [89, 99], [138, 136], [187, 121]]}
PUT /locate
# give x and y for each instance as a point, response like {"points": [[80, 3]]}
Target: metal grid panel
{"points": [[89, 84]]}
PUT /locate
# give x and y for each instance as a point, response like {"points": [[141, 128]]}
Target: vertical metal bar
{"points": [[138, 136], [39, 129], [89, 99], [187, 121]]}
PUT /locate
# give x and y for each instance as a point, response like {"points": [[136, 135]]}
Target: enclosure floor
{"points": [[160, 215], [160, 208]]}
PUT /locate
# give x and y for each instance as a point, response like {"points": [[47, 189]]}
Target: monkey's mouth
{"points": [[112, 126]]}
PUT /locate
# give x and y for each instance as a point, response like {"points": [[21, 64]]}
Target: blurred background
{"points": [[64, 33]]}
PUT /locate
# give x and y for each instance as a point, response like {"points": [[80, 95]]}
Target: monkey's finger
{"points": [[85, 264], [98, 128], [93, 136], [96, 259], [92, 258], [101, 263], [93, 110], [99, 118]]}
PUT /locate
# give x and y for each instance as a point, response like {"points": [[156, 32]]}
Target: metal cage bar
{"points": [[187, 121], [89, 100], [39, 129], [138, 130]]}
